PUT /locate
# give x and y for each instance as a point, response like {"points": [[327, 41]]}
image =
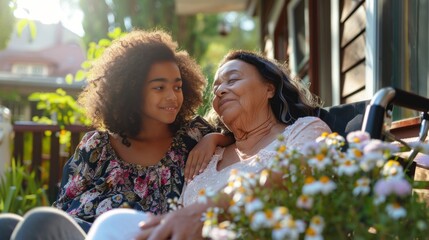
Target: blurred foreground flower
{"points": [[360, 193]]}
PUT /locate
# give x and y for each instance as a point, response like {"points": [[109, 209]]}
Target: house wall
{"points": [[356, 47], [317, 69], [277, 36], [55, 49]]}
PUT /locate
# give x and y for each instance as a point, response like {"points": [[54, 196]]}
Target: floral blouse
{"points": [[96, 180]]}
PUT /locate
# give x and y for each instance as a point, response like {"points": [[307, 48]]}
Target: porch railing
{"points": [[57, 156]]}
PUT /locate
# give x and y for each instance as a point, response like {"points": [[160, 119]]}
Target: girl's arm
{"points": [[201, 154]]}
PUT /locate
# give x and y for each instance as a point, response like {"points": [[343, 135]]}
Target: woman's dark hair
{"points": [[112, 98], [292, 99]]}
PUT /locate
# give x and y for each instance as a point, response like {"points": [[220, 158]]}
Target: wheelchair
{"points": [[375, 117]]}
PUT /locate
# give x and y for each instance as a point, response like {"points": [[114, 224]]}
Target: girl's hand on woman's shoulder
{"points": [[200, 155]]}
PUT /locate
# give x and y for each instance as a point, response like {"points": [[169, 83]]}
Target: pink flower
{"points": [[376, 145], [382, 187], [165, 175], [397, 186], [113, 164], [401, 187], [141, 186], [75, 186], [116, 176], [175, 157], [358, 138], [90, 141]]}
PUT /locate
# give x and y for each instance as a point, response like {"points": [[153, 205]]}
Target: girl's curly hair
{"points": [[112, 98], [292, 99]]}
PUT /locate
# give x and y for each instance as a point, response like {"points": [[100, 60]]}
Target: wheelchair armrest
{"points": [[375, 112]]}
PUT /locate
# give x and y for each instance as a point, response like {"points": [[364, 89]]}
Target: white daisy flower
{"points": [[327, 185], [311, 186], [347, 167], [253, 206], [320, 161], [396, 211], [393, 169], [305, 202], [362, 186]]}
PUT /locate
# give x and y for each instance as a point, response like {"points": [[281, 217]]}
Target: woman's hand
{"points": [[182, 224], [201, 154], [149, 225]]}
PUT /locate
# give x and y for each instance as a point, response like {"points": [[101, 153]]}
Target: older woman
{"points": [[256, 100]]}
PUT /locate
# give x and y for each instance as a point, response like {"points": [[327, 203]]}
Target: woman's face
{"points": [[162, 94], [240, 93]]}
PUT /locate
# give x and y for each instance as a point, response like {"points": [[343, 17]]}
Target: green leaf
{"points": [[20, 25], [86, 65], [69, 78], [98, 52], [104, 42], [61, 92], [91, 51], [80, 75], [9, 197], [20, 190], [33, 31], [34, 96], [116, 33]]}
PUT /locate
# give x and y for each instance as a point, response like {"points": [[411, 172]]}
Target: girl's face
{"points": [[162, 94]]}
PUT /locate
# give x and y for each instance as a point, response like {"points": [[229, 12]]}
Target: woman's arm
{"points": [[184, 223], [187, 223]]}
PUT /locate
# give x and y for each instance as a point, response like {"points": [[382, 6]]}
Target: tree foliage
{"points": [[102, 16], [104, 21], [95, 23], [6, 22], [198, 34]]}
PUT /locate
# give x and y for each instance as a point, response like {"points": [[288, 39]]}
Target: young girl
{"points": [[141, 96]]}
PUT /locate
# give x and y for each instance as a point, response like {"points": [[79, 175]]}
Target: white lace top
{"points": [[296, 135]]}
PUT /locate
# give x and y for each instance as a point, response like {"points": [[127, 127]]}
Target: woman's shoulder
{"points": [[311, 125], [310, 121], [304, 130], [93, 139]]}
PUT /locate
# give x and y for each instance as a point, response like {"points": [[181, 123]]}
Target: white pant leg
{"points": [[120, 223], [47, 223]]}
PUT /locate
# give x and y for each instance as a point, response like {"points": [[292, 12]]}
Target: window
{"points": [[30, 69], [298, 35]]}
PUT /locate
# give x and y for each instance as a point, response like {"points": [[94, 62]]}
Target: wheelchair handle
{"points": [[376, 109]]}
